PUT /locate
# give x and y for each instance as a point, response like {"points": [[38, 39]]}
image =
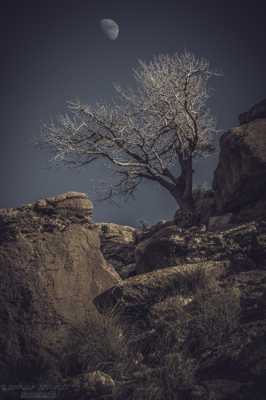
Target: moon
{"points": [[110, 28]]}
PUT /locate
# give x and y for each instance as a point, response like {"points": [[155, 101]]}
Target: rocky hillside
{"points": [[239, 179], [51, 268], [186, 318], [199, 294]]}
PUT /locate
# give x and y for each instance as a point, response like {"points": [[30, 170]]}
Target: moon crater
{"points": [[110, 28]]}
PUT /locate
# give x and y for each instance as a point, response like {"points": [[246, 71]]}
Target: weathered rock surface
{"points": [[88, 386], [69, 202], [133, 297], [236, 369], [168, 259], [194, 317], [51, 268], [257, 111], [243, 245], [118, 243], [220, 222], [240, 177]]}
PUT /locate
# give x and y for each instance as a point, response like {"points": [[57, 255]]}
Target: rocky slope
{"points": [[51, 268], [188, 319], [239, 180], [208, 283], [234, 367], [118, 244]]}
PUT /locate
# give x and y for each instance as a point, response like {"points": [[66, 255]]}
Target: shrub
{"points": [[172, 379], [183, 326], [98, 345], [215, 316]]}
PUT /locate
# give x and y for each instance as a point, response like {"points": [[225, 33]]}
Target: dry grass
{"points": [[98, 345], [184, 327]]}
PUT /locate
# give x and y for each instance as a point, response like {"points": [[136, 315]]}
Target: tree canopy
{"points": [[151, 132]]}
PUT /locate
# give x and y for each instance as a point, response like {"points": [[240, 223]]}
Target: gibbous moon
{"points": [[110, 28]]}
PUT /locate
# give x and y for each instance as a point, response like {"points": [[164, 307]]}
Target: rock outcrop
{"points": [[244, 245], [134, 296], [240, 177], [51, 268], [188, 320], [118, 243], [257, 111], [67, 203], [231, 363]]}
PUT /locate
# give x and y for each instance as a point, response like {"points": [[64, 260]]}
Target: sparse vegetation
{"points": [[99, 345], [183, 326], [216, 315]]}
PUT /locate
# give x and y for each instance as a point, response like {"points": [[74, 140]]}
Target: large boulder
{"points": [[51, 268], [118, 243], [133, 297], [239, 179], [67, 203], [257, 111]]}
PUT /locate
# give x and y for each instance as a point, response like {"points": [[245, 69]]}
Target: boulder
{"points": [[220, 222], [160, 250], [239, 179], [134, 296], [69, 202], [51, 268], [244, 245], [148, 231], [251, 212], [257, 111], [118, 243], [127, 271], [252, 287], [87, 386], [168, 300], [236, 369]]}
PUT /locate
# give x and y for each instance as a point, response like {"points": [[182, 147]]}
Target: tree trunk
{"points": [[186, 177], [185, 215]]}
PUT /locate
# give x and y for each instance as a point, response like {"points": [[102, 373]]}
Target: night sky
{"points": [[55, 51]]}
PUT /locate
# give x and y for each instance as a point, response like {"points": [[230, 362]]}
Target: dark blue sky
{"points": [[54, 51]]}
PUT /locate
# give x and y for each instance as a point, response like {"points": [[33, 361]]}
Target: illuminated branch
{"points": [[150, 133]]}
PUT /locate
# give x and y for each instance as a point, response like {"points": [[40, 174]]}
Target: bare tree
{"points": [[150, 132]]}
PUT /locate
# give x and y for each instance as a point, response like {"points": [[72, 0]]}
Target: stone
{"points": [[252, 286], [253, 211], [257, 111], [220, 222], [147, 232], [127, 271], [238, 365], [87, 386], [69, 202], [137, 294], [160, 250], [118, 243], [51, 268], [239, 179], [244, 245]]}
